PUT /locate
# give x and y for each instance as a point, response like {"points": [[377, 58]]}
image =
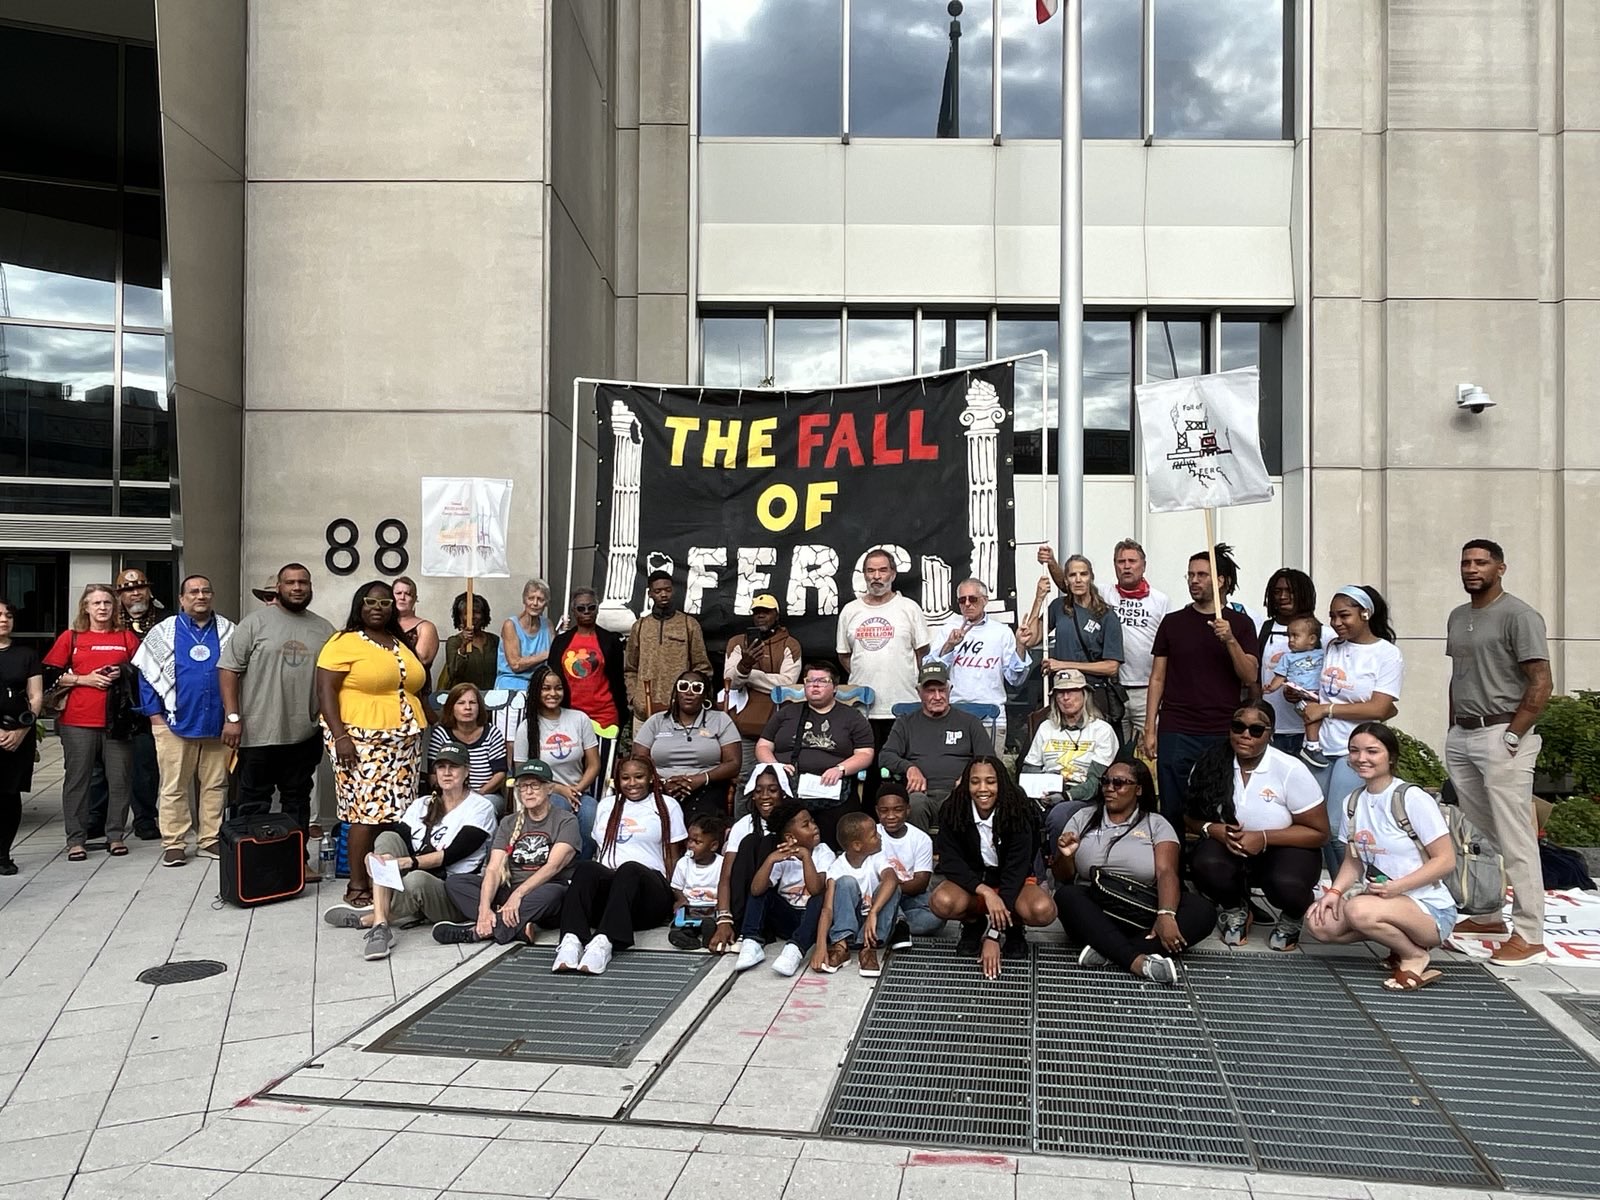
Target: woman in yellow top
{"points": [[370, 689]]}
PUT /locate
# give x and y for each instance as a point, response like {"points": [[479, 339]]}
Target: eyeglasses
{"points": [[692, 687], [1117, 783], [969, 599], [1252, 730], [376, 602], [585, 608], [818, 680], [199, 592]]}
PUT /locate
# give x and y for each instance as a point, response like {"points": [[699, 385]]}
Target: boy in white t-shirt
{"points": [[910, 852], [862, 901], [786, 893], [695, 878]]}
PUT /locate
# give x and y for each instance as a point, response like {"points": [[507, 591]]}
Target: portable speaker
{"points": [[263, 859]]}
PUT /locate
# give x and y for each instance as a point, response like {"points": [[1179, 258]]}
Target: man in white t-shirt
{"points": [[1140, 609], [882, 640], [982, 655]]}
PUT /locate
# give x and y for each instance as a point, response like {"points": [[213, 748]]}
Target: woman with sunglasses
{"points": [[370, 687], [589, 658], [1126, 836], [1261, 821], [693, 746]]}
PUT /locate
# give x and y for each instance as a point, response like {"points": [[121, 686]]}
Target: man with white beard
{"points": [[882, 640], [141, 612]]}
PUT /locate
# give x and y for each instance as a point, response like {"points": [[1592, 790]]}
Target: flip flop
{"points": [[117, 849], [1410, 981], [77, 854]]}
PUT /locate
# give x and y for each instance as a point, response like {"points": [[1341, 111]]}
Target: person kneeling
{"points": [[1120, 895], [1389, 888], [530, 864], [862, 902], [988, 836], [446, 833], [786, 892]]}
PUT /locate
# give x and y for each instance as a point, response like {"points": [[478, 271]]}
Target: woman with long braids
{"points": [[1290, 594], [988, 837], [767, 787], [627, 885], [695, 747]]}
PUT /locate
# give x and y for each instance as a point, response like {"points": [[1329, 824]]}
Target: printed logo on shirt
{"points": [[700, 897], [952, 737], [1365, 843], [199, 653], [818, 737], [1091, 625], [628, 830], [1334, 678], [1134, 615], [1269, 795], [530, 851], [900, 869], [559, 746], [438, 837], [294, 653], [580, 664], [874, 633]]}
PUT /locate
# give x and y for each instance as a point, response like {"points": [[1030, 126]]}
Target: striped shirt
{"points": [[487, 755]]}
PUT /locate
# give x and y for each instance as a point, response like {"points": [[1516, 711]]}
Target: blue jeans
{"points": [[918, 916], [1175, 757], [587, 805], [1289, 743], [769, 916], [1338, 780], [848, 917]]}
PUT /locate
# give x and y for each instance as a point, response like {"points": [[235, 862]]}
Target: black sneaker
{"points": [[147, 831], [1016, 944], [456, 933], [971, 938], [900, 936], [7, 867], [685, 937]]}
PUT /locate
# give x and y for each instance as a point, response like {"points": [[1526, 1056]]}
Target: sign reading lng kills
{"points": [[740, 493]]}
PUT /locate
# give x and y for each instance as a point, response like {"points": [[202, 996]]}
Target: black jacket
{"points": [[961, 858], [611, 650]]}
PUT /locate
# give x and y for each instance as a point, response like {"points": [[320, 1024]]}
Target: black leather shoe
{"points": [[1016, 944], [971, 938], [147, 833], [7, 867]]}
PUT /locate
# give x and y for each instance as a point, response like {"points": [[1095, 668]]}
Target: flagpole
{"points": [[1069, 420]]}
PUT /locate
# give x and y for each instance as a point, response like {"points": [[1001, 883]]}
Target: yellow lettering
{"points": [[778, 496], [725, 444], [818, 501], [681, 428], [759, 453]]}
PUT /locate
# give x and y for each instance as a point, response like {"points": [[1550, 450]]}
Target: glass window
{"points": [[1219, 69], [141, 119], [900, 81], [805, 351], [55, 403], [878, 348], [771, 67], [1260, 344], [733, 350], [70, 501], [1107, 394], [58, 252], [1174, 347], [952, 341], [145, 427], [145, 501], [1030, 84], [141, 261], [58, 106]]}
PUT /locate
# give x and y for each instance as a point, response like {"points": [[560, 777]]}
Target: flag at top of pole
{"points": [[1045, 9]]}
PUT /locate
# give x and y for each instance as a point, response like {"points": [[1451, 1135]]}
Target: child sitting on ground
{"points": [[910, 852], [786, 893], [1301, 668], [862, 902], [694, 883]]}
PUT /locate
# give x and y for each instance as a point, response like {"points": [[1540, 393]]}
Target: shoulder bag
{"points": [[1129, 902]]}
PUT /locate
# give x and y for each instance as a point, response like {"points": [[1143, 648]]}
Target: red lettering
{"points": [[844, 440], [883, 454], [919, 450], [811, 427], [1578, 950]]}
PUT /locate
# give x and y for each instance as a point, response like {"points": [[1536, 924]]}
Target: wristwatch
{"points": [[233, 718], [1513, 739]]}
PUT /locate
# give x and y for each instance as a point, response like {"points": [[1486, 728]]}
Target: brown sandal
{"points": [[1410, 981]]}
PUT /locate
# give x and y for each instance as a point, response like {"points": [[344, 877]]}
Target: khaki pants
{"points": [[1134, 717], [182, 761], [1495, 788], [424, 896]]}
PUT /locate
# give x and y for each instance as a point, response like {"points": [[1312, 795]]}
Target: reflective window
{"points": [[952, 341], [733, 350], [1260, 344], [58, 106], [58, 250], [144, 501], [145, 430], [82, 501], [1219, 69], [912, 77], [1030, 84], [55, 403], [805, 351], [771, 67], [141, 260], [1174, 347], [878, 348], [141, 119], [1107, 394]]}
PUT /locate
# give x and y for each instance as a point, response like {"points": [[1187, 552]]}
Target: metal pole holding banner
{"points": [[1069, 419]]}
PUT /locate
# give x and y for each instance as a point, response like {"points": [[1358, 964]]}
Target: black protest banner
{"points": [[737, 494]]}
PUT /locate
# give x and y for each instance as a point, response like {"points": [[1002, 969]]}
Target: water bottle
{"points": [[329, 846]]}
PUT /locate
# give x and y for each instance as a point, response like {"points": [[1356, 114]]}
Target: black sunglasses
{"points": [[585, 608], [1117, 783], [1252, 730]]}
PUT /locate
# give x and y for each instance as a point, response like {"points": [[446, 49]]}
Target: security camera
{"points": [[1472, 398]]}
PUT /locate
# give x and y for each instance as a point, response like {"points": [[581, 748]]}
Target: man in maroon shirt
{"points": [[1203, 665]]}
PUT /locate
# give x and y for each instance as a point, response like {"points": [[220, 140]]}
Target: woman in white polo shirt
{"points": [[1261, 821]]}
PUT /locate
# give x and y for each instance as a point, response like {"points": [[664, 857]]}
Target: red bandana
{"points": [[1135, 593]]}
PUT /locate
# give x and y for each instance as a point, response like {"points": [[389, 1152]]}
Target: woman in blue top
{"points": [[524, 639], [1085, 635]]}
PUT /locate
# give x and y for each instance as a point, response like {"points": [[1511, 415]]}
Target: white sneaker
{"points": [[788, 962], [568, 953], [596, 956], [1090, 957], [751, 954]]}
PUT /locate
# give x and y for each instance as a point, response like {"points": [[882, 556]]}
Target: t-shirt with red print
{"points": [[585, 668], [88, 652]]}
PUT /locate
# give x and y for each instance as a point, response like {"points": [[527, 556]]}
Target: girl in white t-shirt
{"points": [[1389, 889], [767, 787], [625, 887]]}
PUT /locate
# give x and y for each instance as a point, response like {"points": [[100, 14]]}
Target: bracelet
{"points": [[708, 778], [1333, 891], [1166, 912], [342, 737], [725, 920], [1205, 830]]}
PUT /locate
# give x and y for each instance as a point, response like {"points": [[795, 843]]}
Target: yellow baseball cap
{"points": [[766, 600]]}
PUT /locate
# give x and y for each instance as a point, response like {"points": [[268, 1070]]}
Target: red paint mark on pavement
{"points": [[927, 1159]]}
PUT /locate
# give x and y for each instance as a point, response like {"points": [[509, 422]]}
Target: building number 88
{"points": [[391, 556]]}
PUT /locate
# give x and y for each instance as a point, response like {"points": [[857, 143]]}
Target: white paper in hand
{"points": [[812, 788], [384, 872], [1040, 784]]}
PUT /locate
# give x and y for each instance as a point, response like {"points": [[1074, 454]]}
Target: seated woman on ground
{"points": [[787, 891], [1390, 888], [1261, 821], [442, 834], [694, 883], [531, 857], [1072, 744], [988, 837], [767, 787], [1125, 836], [625, 887]]}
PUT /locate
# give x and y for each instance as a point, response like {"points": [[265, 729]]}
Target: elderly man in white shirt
{"points": [[982, 655]]}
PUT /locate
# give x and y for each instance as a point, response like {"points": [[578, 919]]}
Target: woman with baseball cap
{"points": [[763, 657]]}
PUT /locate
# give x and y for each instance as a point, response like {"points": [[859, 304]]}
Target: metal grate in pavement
{"points": [[187, 971], [1585, 1008], [1520, 1091], [515, 1008]]}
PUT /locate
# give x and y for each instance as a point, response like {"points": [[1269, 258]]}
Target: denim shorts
{"points": [[1444, 916]]}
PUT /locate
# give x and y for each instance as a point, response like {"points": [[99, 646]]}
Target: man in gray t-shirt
{"points": [[1499, 685], [267, 676], [931, 747]]}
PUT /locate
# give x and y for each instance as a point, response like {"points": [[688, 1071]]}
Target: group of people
{"points": [[1269, 745]]}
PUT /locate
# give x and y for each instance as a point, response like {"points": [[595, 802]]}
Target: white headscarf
{"points": [[762, 768]]}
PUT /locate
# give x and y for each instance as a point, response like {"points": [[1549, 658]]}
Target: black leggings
{"points": [[1286, 875], [615, 903], [1087, 925], [10, 821]]}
